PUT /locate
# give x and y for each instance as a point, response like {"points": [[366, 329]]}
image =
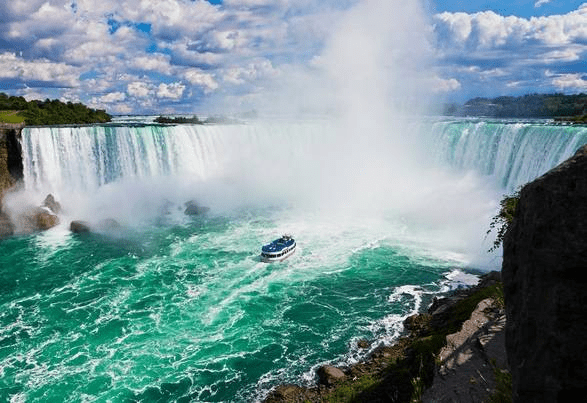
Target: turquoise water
{"points": [[173, 308], [183, 310]]}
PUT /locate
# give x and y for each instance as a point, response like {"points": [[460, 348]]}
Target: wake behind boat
{"points": [[279, 249]]}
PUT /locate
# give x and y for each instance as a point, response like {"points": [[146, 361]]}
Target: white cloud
{"points": [[573, 81], [243, 46], [171, 91], [562, 55], [153, 62], [441, 85], [540, 3], [138, 89], [32, 94], [112, 97], [197, 77], [253, 71], [38, 20], [123, 109], [501, 54], [15, 67], [490, 30]]}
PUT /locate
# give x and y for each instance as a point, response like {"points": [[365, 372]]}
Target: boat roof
{"points": [[277, 245]]}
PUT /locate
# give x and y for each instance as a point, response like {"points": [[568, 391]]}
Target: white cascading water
{"points": [[511, 153], [445, 199], [82, 159]]}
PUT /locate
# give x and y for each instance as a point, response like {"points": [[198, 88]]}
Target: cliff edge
{"points": [[545, 255], [11, 168]]}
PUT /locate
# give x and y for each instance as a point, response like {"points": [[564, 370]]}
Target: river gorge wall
{"points": [[11, 167], [544, 263]]}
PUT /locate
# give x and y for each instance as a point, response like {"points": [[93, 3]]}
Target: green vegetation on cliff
{"points": [[194, 120], [503, 219], [48, 112], [527, 106], [573, 119]]}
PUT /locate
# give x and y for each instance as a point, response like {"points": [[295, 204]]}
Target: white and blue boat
{"points": [[279, 249]]}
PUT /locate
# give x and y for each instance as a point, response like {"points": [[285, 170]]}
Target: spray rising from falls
{"points": [[276, 157], [156, 164], [124, 171]]}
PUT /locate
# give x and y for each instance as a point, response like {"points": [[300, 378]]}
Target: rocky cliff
{"points": [[545, 255], [11, 169], [462, 332]]}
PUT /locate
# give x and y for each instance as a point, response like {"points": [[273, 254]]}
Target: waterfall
{"points": [[512, 153], [138, 174], [86, 158]]}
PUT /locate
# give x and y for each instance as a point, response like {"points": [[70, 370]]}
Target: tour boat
{"points": [[279, 249]]}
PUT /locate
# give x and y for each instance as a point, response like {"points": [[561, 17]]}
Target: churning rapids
{"points": [[170, 307]]}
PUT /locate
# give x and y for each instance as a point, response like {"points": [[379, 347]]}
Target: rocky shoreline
{"points": [[453, 352]]}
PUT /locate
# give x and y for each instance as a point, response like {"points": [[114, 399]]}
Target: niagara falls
{"points": [[381, 135]]}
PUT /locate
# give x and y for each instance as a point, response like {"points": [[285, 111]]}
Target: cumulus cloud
{"points": [[574, 81], [255, 70], [57, 74], [138, 89], [171, 91], [441, 85], [159, 52], [154, 62], [197, 77], [511, 52], [112, 97], [193, 43], [489, 30]]}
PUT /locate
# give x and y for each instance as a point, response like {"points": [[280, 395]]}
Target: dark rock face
{"points": [[14, 157], [544, 264], [11, 168], [79, 227], [6, 227]]}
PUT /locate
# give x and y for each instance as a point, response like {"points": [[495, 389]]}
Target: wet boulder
{"points": [[79, 227], [52, 204], [329, 375], [6, 227], [192, 207], [43, 219]]}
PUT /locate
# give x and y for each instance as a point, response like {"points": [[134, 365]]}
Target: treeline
{"points": [[527, 106], [179, 120], [194, 120], [52, 112]]}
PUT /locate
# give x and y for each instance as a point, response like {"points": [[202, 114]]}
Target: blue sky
{"points": [[187, 56]]}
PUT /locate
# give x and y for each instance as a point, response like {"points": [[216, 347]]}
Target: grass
{"points": [[10, 117], [351, 391], [503, 389]]}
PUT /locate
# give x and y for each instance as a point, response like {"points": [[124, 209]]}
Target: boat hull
{"points": [[268, 259]]}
